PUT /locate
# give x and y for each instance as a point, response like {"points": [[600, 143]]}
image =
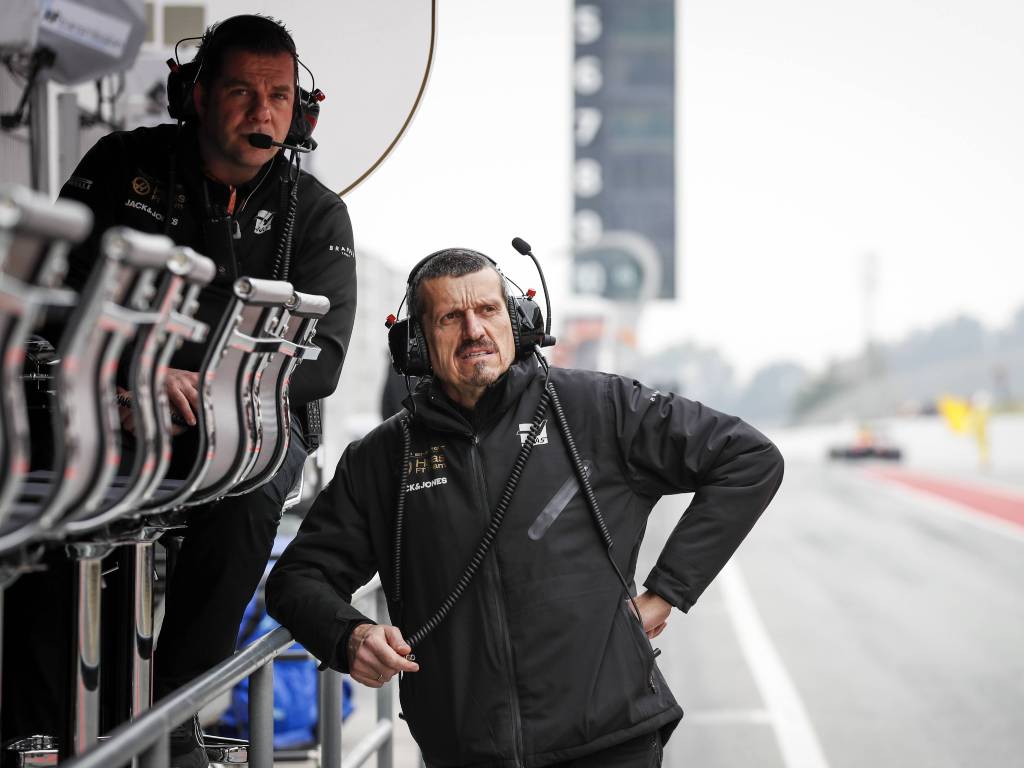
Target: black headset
{"points": [[408, 344], [182, 79]]}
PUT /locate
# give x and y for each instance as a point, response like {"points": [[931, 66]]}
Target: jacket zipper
{"points": [[499, 602], [643, 645]]}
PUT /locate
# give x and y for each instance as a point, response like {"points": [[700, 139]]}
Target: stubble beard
{"points": [[482, 375]]}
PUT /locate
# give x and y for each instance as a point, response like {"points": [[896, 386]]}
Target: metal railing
{"points": [[148, 737]]}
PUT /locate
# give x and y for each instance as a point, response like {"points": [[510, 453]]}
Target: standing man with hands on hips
{"points": [[504, 510]]}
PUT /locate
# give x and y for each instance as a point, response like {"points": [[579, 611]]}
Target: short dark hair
{"points": [[450, 262], [248, 32]]}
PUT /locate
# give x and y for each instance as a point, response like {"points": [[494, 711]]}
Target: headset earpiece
{"points": [[305, 116], [408, 347], [528, 326], [181, 83], [513, 318]]}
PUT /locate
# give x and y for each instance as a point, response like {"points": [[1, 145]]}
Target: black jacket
{"points": [[124, 179], [540, 661]]}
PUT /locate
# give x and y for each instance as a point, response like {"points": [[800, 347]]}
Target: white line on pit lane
{"points": [[797, 740]]}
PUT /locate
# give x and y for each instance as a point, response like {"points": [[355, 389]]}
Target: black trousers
{"points": [[222, 557], [642, 752], [225, 550]]}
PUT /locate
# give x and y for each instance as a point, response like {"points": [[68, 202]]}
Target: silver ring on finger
{"points": [[380, 677]]}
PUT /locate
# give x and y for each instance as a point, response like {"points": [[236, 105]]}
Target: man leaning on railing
{"points": [[209, 184]]}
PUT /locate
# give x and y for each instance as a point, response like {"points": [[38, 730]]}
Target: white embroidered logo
{"points": [[263, 222], [542, 437], [426, 484]]}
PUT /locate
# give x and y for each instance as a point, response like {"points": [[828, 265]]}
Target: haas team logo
{"points": [[542, 436], [263, 222]]}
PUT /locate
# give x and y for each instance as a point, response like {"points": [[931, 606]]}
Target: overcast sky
{"points": [[811, 133]]}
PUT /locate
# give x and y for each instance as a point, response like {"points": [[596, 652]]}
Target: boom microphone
{"points": [[524, 248], [263, 141]]}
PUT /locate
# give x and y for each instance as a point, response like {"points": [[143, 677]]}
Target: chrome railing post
{"points": [[141, 631], [261, 717], [84, 715], [330, 693]]}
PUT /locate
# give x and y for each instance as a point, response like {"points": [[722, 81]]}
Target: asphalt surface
{"points": [[891, 634], [862, 623]]}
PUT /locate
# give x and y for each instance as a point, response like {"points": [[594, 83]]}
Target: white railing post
{"points": [[261, 717], [157, 755], [330, 718]]}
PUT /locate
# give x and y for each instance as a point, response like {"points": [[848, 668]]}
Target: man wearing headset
{"points": [[204, 184], [509, 581]]}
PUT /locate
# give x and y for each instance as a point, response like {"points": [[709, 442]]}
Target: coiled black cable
{"points": [[497, 518], [581, 474], [588, 492], [403, 481], [283, 259]]}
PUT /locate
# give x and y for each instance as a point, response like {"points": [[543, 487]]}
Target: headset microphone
{"points": [[263, 141], [524, 248]]}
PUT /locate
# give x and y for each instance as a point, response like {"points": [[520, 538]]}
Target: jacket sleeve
{"points": [[325, 264], [669, 444], [310, 589]]}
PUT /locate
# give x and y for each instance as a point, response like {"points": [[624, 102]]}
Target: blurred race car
{"points": [[868, 444]]}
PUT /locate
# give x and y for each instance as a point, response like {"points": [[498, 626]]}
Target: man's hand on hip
{"points": [[654, 612], [376, 653]]}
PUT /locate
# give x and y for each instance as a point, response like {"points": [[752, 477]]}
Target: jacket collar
{"points": [[434, 410]]}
